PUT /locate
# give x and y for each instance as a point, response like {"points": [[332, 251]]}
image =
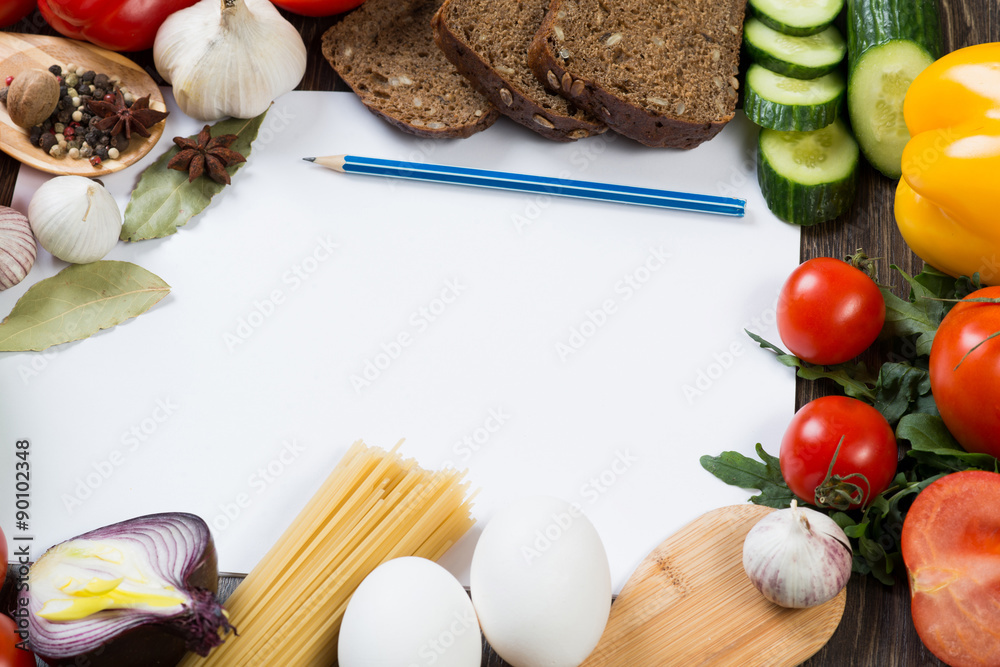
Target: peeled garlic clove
{"points": [[797, 557], [17, 247], [75, 219], [229, 57]]}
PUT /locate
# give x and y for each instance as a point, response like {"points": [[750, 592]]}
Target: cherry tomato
{"points": [[10, 655], [949, 544], [829, 311], [317, 7], [118, 25], [866, 460], [12, 11], [966, 388]]}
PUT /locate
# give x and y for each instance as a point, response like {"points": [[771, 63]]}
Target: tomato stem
{"points": [[864, 263], [838, 492]]}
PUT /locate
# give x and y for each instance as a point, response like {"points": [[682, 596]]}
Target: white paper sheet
{"points": [[553, 346]]}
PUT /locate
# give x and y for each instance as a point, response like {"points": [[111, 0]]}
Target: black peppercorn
{"points": [[56, 69], [47, 141], [120, 141], [35, 135], [88, 75], [92, 137], [102, 81], [101, 152]]}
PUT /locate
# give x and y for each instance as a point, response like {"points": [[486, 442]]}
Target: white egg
{"points": [[409, 612], [541, 584]]}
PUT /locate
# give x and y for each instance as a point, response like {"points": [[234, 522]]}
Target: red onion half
{"points": [[137, 593]]}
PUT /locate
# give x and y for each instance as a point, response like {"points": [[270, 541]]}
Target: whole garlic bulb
{"points": [[229, 57], [75, 219], [797, 557], [17, 247]]}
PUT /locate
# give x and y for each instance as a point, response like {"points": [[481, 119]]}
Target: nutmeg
{"points": [[33, 96]]}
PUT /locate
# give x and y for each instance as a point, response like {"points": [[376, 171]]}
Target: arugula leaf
{"points": [[902, 389], [854, 378], [927, 434], [736, 469]]}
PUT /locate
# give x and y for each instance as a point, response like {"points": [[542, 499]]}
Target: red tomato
{"points": [[967, 388], [118, 25], [317, 7], [10, 655], [951, 549], [866, 462], [12, 11], [829, 311]]}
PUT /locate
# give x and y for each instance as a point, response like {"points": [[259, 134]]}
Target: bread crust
{"points": [[354, 38], [647, 126], [506, 95]]}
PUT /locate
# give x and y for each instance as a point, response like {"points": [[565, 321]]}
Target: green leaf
{"points": [[854, 378], [164, 199], [902, 389], [77, 302], [765, 475], [928, 435]]}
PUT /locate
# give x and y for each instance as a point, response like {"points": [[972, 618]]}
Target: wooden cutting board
{"points": [[690, 603], [21, 52]]}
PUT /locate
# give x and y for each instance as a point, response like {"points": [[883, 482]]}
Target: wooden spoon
{"points": [[21, 52], [690, 603]]}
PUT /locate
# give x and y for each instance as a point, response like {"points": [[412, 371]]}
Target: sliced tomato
{"points": [[951, 549]]}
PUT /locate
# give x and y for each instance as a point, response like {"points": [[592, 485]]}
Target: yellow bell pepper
{"points": [[948, 201]]}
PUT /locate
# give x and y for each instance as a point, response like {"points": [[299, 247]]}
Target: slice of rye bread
{"points": [[487, 40], [660, 72], [385, 52]]}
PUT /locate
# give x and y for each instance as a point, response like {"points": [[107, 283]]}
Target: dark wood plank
{"points": [[876, 630]]}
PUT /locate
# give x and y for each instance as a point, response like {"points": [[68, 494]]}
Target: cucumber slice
{"points": [[800, 57], [889, 43], [808, 177], [875, 102], [797, 17], [780, 102]]}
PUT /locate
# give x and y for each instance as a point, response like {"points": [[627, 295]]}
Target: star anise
{"points": [[118, 117], [206, 153]]}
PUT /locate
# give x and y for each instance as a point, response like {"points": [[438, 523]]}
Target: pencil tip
{"points": [[309, 159]]}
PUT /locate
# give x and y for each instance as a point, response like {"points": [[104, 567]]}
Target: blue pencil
{"points": [[563, 187]]}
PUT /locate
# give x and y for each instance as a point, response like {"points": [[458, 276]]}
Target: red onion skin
{"points": [[159, 643]]}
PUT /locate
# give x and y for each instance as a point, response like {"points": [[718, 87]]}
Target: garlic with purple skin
{"points": [[797, 557], [17, 247]]}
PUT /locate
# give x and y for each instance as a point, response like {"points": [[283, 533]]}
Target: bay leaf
{"points": [[164, 200], [77, 302]]}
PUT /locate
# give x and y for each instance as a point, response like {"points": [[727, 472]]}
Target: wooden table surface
{"points": [[876, 630]]}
